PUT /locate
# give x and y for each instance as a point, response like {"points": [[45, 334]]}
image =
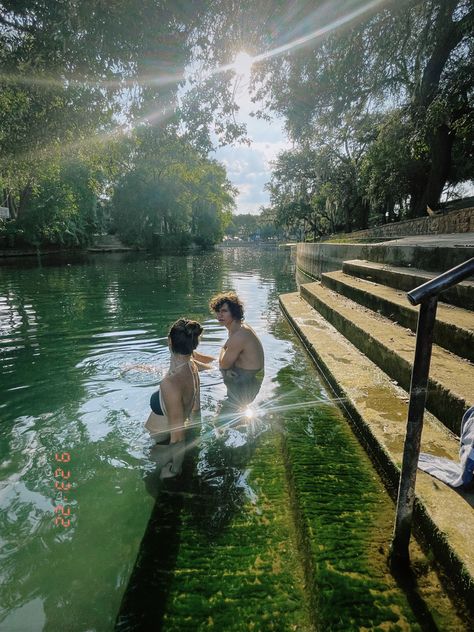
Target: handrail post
{"points": [[399, 554]]}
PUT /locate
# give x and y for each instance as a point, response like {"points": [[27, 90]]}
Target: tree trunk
{"points": [[363, 214], [10, 202], [25, 195], [440, 158], [449, 32], [417, 198], [347, 218], [441, 149]]}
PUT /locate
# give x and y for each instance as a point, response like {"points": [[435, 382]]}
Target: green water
{"points": [[72, 335], [82, 347]]}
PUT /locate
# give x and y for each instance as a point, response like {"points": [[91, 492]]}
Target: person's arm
{"points": [[230, 352], [202, 361], [202, 357], [174, 409]]}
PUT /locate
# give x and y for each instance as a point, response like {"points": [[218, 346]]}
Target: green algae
{"points": [[345, 520], [246, 574], [289, 531]]}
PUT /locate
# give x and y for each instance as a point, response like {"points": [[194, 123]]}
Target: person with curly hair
{"points": [[241, 359]]}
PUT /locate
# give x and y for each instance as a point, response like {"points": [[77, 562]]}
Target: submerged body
{"points": [[174, 386]]}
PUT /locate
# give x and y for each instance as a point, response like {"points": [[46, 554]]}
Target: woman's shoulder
{"points": [[179, 378]]}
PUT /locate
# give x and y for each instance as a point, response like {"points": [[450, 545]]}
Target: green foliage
{"points": [[404, 68], [267, 226], [170, 189], [316, 187], [378, 105], [67, 71], [245, 226], [62, 209]]}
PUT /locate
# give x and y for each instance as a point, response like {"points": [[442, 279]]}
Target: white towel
{"points": [[448, 471]]}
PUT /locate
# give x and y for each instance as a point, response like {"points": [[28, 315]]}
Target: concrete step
{"points": [[392, 348], [108, 243], [406, 279], [377, 408], [454, 329]]}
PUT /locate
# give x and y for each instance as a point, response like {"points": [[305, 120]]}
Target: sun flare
{"points": [[243, 64]]}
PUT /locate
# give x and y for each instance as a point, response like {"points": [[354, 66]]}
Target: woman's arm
{"points": [[202, 357]]}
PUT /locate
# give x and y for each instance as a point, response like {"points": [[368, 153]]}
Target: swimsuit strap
{"points": [[195, 374], [162, 404]]}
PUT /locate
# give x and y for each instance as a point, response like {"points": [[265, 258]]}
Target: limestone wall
{"points": [[314, 259], [460, 221]]}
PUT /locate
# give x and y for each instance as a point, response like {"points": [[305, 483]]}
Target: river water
{"points": [[82, 347]]}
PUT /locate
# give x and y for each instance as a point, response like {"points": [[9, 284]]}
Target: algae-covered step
{"points": [[378, 409], [240, 571]]}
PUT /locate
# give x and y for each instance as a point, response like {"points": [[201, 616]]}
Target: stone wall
{"points": [[315, 259], [460, 221]]}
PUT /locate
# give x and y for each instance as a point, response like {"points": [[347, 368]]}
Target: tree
{"points": [[68, 69], [416, 55], [267, 225], [319, 62], [63, 208], [245, 226], [170, 189]]}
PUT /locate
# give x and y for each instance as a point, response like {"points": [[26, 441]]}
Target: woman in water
{"points": [[177, 397]]}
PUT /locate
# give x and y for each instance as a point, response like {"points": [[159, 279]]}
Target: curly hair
{"points": [[184, 335], [236, 307]]}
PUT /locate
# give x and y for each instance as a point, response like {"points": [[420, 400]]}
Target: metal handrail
{"points": [[441, 282], [427, 296]]}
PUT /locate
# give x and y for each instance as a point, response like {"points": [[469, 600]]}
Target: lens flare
{"points": [[243, 64]]}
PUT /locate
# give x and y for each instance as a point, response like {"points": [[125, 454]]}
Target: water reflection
{"points": [[81, 349]]}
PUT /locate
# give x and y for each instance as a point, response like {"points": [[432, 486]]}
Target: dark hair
{"points": [[236, 306], [184, 335]]}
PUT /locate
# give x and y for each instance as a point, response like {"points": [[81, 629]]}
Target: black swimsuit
{"points": [[155, 403]]}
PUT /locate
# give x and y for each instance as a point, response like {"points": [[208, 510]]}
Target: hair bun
{"points": [[193, 328]]}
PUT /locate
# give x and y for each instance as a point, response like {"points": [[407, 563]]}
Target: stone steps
{"points": [[406, 279], [377, 406], [454, 328], [108, 243], [392, 347]]}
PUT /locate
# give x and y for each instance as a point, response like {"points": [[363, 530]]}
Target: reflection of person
{"points": [[176, 398], [241, 359]]}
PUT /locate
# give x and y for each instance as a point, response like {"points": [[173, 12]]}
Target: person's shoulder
{"points": [[170, 382], [239, 335], [171, 387], [249, 332]]}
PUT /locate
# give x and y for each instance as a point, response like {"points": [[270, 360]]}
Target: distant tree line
{"points": [[377, 100], [259, 227]]}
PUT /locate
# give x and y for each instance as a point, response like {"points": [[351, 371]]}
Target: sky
{"points": [[248, 166]]}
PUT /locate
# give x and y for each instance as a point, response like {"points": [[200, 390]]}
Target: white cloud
{"points": [[248, 166]]}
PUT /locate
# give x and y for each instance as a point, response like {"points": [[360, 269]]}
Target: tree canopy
{"points": [[330, 69], [169, 189], [376, 98]]}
